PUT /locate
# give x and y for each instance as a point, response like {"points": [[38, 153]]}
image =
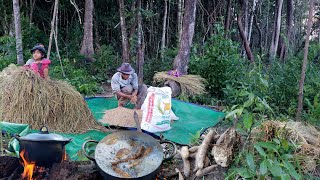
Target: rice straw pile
{"points": [[307, 136], [26, 98], [190, 84]]}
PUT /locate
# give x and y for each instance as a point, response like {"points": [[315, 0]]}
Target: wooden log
{"points": [[175, 88]]}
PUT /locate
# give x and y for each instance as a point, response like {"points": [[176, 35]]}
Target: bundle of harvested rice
{"points": [[307, 136], [121, 116], [28, 99], [296, 132], [309, 155], [190, 84]]}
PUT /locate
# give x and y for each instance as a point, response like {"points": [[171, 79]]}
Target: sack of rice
{"points": [[156, 110]]}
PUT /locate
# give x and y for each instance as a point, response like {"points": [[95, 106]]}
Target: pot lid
{"points": [[44, 135]]}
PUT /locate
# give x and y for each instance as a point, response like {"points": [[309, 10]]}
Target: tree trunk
{"points": [[276, 32], [182, 59], [284, 48], [251, 20], [180, 15], [125, 50], [96, 31], [32, 3], [260, 34], [246, 18], [87, 41], [304, 64], [244, 39], [227, 19], [17, 27], [265, 46], [53, 21], [164, 28], [141, 45]]}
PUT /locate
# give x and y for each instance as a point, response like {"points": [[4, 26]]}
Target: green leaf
{"points": [[260, 150], [247, 120], [243, 172], [285, 177], [243, 93], [263, 167], [230, 114], [236, 111], [286, 156], [292, 170], [268, 145], [264, 82], [266, 105], [249, 101], [285, 144], [316, 100], [250, 162], [275, 169]]}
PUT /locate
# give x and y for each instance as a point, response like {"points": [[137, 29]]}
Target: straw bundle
{"points": [[307, 136], [28, 99], [190, 84], [296, 132]]}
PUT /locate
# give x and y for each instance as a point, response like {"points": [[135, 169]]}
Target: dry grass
{"points": [[304, 135], [190, 84], [26, 98]]}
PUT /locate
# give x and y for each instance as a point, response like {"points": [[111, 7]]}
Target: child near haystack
{"points": [[39, 64]]}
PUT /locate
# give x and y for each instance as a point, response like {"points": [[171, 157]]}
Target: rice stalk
{"points": [[26, 98], [190, 84]]}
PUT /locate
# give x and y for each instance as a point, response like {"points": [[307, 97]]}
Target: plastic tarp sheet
{"points": [[193, 119]]}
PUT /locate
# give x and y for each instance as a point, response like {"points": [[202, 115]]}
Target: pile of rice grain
{"points": [[121, 116], [26, 98]]}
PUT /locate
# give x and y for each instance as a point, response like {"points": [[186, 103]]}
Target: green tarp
{"points": [[193, 119]]}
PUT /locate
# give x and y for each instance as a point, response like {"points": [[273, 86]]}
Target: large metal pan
{"points": [[106, 150]]}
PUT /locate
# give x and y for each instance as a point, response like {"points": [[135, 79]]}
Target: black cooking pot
{"points": [[43, 148], [108, 147]]}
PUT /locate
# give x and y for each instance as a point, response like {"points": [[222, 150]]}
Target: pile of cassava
{"points": [[215, 150]]}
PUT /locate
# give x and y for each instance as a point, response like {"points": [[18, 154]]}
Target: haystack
{"points": [[26, 98], [190, 84], [305, 136]]}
